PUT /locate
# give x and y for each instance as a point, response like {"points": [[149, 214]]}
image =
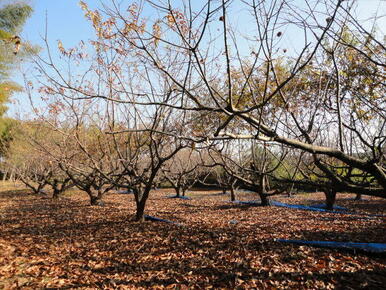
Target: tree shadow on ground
{"points": [[8, 194], [238, 277], [232, 205], [371, 234]]}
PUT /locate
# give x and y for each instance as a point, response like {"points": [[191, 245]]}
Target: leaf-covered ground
{"points": [[69, 244]]}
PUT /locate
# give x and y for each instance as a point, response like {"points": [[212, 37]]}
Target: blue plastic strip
{"points": [[337, 209], [367, 247], [246, 191], [304, 207], [251, 202], [323, 206], [313, 208], [180, 197], [125, 192]]}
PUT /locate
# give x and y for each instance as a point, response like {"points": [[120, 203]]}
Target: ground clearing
{"points": [[67, 243]]}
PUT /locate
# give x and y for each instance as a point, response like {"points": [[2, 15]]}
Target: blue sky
{"points": [[66, 22]]}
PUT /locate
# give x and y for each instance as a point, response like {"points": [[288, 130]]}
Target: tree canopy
{"points": [[12, 20]]}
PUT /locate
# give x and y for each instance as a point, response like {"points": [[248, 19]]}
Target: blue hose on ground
{"points": [[125, 191], [366, 247], [335, 207], [180, 197], [295, 206], [317, 208], [251, 202], [305, 207], [340, 210]]}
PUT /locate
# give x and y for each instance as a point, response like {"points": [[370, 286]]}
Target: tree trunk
{"points": [[11, 176], [289, 192], [178, 191], [38, 191], [141, 196], [183, 191], [265, 199], [95, 200], [233, 196], [56, 193], [330, 198], [140, 212], [358, 196]]}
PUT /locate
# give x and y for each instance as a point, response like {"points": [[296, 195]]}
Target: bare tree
{"points": [[252, 166], [34, 167], [226, 181], [298, 100], [183, 72], [183, 170]]}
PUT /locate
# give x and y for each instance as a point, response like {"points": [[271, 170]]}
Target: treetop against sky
{"points": [[66, 22]]}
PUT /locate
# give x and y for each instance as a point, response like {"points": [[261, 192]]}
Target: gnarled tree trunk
{"points": [[330, 198], [265, 198], [141, 195], [140, 212], [96, 199]]}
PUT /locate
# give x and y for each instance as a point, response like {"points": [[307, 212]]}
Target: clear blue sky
{"points": [[66, 22]]}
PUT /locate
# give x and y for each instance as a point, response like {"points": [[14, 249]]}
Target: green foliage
{"points": [[7, 126], [7, 88], [12, 19], [5, 35]]}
